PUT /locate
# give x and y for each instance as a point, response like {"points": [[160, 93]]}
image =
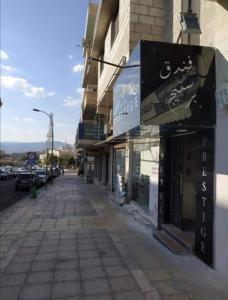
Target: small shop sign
{"points": [[31, 158]]}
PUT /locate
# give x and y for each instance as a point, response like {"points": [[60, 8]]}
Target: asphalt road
{"points": [[8, 195]]}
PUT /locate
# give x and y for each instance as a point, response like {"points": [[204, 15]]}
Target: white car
{"points": [[3, 174], [42, 176]]}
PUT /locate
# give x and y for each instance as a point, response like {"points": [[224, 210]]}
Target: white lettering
{"points": [[204, 201], [204, 187], [203, 232], [204, 173], [204, 156], [203, 216], [203, 247]]}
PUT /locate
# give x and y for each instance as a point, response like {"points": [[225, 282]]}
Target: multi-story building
{"points": [[154, 114]]}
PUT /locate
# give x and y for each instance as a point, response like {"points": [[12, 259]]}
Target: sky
{"points": [[41, 67]]}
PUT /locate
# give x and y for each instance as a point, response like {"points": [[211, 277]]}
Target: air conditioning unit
{"points": [[91, 88], [107, 129]]}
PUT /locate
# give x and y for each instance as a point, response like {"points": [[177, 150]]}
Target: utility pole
{"points": [[50, 135]]}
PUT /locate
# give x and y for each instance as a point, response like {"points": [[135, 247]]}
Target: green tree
{"points": [[66, 160]]}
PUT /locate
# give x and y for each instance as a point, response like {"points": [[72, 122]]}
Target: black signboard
{"points": [[177, 85], [173, 86], [204, 197]]}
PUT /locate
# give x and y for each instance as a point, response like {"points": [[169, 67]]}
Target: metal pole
{"points": [[50, 132], [189, 10], [46, 171], [52, 144]]}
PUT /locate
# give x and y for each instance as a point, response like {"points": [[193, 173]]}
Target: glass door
{"points": [[177, 181]]}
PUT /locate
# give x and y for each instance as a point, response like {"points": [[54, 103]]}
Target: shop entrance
{"points": [[185, 202], [183, 181]]}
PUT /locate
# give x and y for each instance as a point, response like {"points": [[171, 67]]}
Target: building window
{"points": [[115, 25]]}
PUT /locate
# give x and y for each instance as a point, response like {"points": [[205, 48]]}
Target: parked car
{"points": [[3, 174], [24, 180], [10, 171], [42, 176], [21, 170]]}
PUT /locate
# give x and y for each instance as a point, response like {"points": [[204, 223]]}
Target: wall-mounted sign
{"points": [[126, 97], [177, 84], [204, 198], [174, 85]]}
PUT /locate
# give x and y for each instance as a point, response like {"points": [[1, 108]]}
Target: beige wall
{"points": [[172, 24], [147, 21], [138, 19], [119, 48]]}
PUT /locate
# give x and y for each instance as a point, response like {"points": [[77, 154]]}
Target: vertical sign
{"points": [[204, 198], [161, 183]]}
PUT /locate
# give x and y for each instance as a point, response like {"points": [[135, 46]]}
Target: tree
{"points": [[48, 159], [66, 160]]}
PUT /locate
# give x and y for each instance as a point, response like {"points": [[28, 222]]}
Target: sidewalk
{"points": [[72, 242]]}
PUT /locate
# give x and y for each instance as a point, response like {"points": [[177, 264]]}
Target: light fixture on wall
{"points": [[189, 23]]}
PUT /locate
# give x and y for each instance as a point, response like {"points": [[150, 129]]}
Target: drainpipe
{"points": [[189, 11]]}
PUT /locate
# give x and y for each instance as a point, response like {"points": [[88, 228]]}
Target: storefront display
{"points": [[176, 87]]}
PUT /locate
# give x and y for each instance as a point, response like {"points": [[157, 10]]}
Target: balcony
{"points": [[89, 133], [90, 71], [89, 103]]}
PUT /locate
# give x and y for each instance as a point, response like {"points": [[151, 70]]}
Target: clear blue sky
{"points": [[41, 67]]}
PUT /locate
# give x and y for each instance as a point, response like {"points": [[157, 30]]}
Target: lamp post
{"points": [[50, 133]]}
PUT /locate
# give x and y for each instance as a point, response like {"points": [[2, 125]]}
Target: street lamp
{"points": [[50, 133]]}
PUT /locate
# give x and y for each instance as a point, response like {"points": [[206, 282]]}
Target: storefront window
{"points": [[145, 174], [119, 169]]}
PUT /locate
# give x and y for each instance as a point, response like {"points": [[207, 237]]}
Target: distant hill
{"points": [[17, 147]]}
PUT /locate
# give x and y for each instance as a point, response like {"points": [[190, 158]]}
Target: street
{"points": [[73, 242], [8, 194]]}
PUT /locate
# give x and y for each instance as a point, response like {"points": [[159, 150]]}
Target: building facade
{"points": [[155, 115]]}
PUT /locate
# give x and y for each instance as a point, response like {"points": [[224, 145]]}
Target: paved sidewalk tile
{"points": [[35, 292], [96, 286], [18, 268], [89, 273], [12, 280], [40, 277], [66, 289], [9, 293], [66, 275], [125, 283], [74, 243]]}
